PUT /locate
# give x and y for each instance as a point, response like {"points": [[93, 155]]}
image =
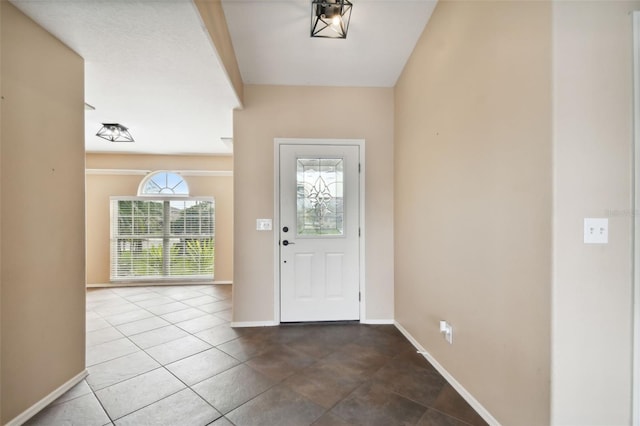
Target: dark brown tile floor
{"points": [[167, 355]]}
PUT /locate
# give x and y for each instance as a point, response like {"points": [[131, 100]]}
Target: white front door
{"points": [[319, 233]]}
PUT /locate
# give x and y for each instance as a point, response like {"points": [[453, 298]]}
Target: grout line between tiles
{"points": [[101, 405], [278, 342]]}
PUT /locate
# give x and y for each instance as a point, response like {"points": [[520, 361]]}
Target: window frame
{"points": [[151, 176], [146, 278]]}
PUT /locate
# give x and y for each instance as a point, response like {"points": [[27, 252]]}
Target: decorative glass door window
{"points": [[320, 196]]}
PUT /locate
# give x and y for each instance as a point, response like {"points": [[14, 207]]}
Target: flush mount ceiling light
{"points": [[330, 18], [114, 132]]}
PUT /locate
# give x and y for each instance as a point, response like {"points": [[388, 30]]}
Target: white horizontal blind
{"points": [[162, 238]]}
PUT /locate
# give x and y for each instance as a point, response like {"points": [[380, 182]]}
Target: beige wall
{"points": [[42, 199], [102, 186], [473, 199], [592, 313], [309, 112], [0, 216]]}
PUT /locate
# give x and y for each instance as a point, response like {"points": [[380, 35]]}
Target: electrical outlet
{"points": [[447, 330]]}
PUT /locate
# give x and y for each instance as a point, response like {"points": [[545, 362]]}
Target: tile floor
{"points": [[168, 356]]}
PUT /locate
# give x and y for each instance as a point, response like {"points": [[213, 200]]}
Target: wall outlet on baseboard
{"points": [[447, 330]]}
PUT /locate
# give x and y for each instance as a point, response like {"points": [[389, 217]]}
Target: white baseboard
{"points": [[255, 324], [275, 323], [149, 284], [449, 378], [377, 321], [38, 406]]}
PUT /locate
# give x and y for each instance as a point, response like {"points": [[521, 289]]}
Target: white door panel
{"points": [[319, 233]]}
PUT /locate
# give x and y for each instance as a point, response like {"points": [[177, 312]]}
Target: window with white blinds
{"points": [[162, 238]]}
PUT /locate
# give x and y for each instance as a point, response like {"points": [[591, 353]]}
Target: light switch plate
{"points": [[596, 231], [263, 225]]}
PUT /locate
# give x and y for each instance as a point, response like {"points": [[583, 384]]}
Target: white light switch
{"points": [[263, 225], [596, 231]]}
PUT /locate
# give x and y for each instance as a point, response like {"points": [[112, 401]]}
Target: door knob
{"points": [[286, 243]]}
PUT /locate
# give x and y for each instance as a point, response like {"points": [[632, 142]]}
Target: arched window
{"points": [[163, 233], [163, 183]]}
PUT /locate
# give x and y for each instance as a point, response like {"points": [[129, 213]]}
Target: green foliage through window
{"points": [[162, 238]]}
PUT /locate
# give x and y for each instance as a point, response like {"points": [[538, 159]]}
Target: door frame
{"points": [[635, 223], [276, 215]]}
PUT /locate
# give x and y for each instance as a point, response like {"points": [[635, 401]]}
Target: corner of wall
{"points": [[1, 97]]}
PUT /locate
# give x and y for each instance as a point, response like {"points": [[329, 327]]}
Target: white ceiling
{"points": [[150, 65], [272, 43]]}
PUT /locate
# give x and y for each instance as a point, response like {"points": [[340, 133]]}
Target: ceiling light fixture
{"points": [[330, 18], [115, 132]]}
